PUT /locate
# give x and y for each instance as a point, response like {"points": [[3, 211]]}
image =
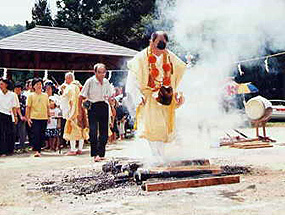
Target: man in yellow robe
{"points": [[73, 130], [151, 69]]}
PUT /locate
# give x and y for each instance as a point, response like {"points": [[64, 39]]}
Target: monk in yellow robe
{"points": [[152, 69], [74, 130]]}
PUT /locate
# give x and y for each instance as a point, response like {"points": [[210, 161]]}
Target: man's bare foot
{"points": [[79, 152], [71, 153], [97, 159], [37, 154]]}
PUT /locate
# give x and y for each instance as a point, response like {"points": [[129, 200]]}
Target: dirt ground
{"points": [[260, 192]]}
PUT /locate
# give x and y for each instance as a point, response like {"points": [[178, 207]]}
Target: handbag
{"points": [[87, 104], [165, 95]]}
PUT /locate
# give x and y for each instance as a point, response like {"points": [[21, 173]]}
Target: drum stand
{"points": [[263, 138]]}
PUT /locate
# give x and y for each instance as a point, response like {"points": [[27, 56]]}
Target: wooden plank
{"points": [[254, 146], [200, 182], [245, 145], [238, 141], [214, 169]]}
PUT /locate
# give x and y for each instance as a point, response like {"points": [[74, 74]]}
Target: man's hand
{"points": [[16, 120], [143, 100], [29, 122], [180, 99]]}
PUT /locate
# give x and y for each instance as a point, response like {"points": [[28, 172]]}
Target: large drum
{"points": [[257, 108]]}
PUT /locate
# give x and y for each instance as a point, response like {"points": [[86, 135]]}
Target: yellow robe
{"points": [[155, 122], [72, 130]]}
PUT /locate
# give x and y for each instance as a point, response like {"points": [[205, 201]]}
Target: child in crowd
{"points": [[121, 119], [52, 132]]}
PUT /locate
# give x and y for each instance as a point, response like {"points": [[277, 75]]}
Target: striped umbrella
{"points": [[246, 88]]}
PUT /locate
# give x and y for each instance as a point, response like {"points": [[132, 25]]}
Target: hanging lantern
{"points": [[45, 78], [241, 73], [110, 75], [266, 65], [5, 73]]}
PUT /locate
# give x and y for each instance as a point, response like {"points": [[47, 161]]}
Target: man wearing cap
{"points": [[156, 72], [98, 91]]}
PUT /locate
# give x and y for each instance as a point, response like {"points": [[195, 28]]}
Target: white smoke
{"points": [[220, 32]]}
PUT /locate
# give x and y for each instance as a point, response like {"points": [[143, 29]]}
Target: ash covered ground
{"points": [[57, 184]]}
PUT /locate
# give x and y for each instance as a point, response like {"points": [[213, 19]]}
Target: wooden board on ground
{"points": [[200, 182], [214, 169], [230, 143], [251, 145]]}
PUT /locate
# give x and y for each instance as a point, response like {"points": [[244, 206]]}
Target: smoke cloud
{"points": [[219, 33]]}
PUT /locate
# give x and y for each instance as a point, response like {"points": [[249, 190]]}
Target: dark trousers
{"points": [[7, 140], [20, 133], [38, 133], [98, 117], [62, 125], [29, 133]]}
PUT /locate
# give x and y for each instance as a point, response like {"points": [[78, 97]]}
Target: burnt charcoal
{"points": [[113, 166], [130, 168], [234, 170], [144, 175]]}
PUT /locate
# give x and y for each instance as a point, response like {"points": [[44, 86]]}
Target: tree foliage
{"points": [[124, 22], [77, 15], [6, 31], [41, 15]]}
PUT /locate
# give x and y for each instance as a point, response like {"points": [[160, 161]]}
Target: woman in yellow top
{"points": [[37, 114]]}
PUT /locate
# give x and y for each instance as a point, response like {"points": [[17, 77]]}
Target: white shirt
{"points": [[94, 91], [53, 120], [8, 101]]}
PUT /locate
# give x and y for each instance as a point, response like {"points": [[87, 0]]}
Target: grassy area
{"points": [[275, 124]]}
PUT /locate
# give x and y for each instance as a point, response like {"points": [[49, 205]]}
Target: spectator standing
{"points": [[98, 91], [52, 132], [27, 91], [113, 121], [63, 104], [20, 127], [74, 131], [8, 105], [37, 114]]}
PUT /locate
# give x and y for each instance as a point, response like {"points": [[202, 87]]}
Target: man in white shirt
{"points": [[98, 91], [8, 105]]}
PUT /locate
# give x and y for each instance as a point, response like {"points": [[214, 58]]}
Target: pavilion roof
{"points": [[54, 39]]}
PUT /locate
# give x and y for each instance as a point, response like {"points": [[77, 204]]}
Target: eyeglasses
{"points": [[99, 72]]}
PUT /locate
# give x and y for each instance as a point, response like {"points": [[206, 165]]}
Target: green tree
{"points": [[123, 22], [41, 15], [77, 15], [6, 31]]}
